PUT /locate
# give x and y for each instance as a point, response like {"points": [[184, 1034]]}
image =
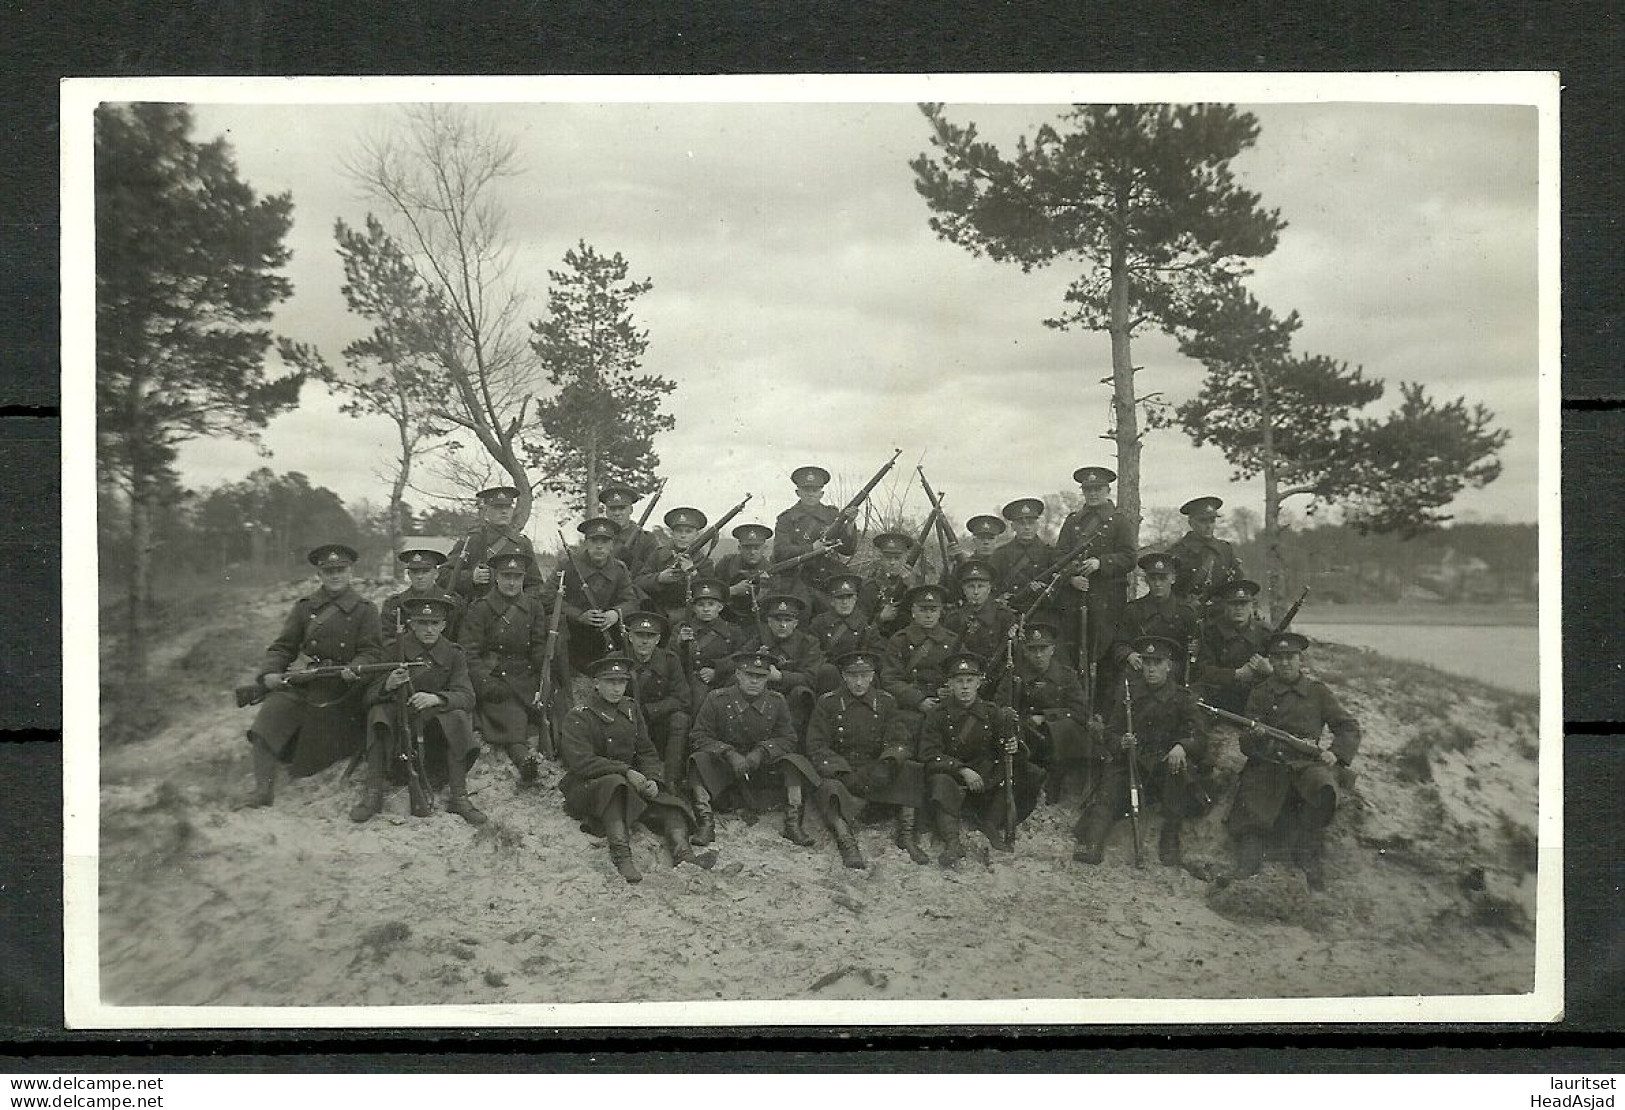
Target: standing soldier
{"points": [[435, 705], [505, 637], [1230, 654], [912, 668], [860, 746], [1167, 744], [882, 592], [798, 657], [312, 726], [984, 534], [1206, 563], [633, 546], [1025, 556], [1098, 585], [741, 571], [420, 563], [661, 691], [613, 777], [1281, 788], [845, 628], [714, 640], [467, 572], [744, 750], [594, 605], [668, 577], [1158, 613], [1054, 715], [982, 624], [801, 527], [963, 746]]}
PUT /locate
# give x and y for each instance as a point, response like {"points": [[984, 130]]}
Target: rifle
{"points": [[586, 590], [714, 529], [255, 693], [850, 512], [945, 534], [411, 754], [1291, 614], [1133, 771], [462, 557], [1296, 743], [544, 691], [654, 499], [1048, 578], [1086, 656], [1010, 765]]}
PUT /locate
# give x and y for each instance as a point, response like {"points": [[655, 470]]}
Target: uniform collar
{"points": [[607, 711], [939, 633], [346, 599], [977, 708]]}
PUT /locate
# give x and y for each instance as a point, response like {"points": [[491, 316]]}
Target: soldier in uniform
{"points": [[421, 564], [1025, 556], [799, 658], [845, 628], [662, 691], [1206, 563], [1054, 715], [613, 777], [1168, 745], [860, 746], [984, 532], [1098, 585], [881, 594], [743, 749], [982, 624], [1230, 657], [467, 571], [633, 546], [1158, 613], [709, 640], [963, 745], [668, 578], [801, 528], [311, 726], [594, 606], [741, 571], [1281, 789], [912, 668], [505, 637], [436, 701]]}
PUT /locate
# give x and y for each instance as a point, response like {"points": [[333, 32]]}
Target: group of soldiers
{"points": [[779, 677]]}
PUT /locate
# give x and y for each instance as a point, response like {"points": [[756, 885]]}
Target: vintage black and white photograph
{"points": [[811, 551]]}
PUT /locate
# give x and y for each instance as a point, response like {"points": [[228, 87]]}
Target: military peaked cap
{"points": [[1239, 590], [985, 525], [421, 558], [685, 517], [755, 661], [844, 585], [1202, 506], [858, 661], [599, 527], [782, 605], [332, 555], [1040, 634], [1024, 508], [927, 595], [892, 543], [497, 495], [965, 662], [511, 561], [618, 496], [1158, 563], [645, 621], [1094, 476], [427, 608], [713, 588], [614, 665], [975, 570], [806, 477], [1283, 642], [752, 535], [1157, 647]]}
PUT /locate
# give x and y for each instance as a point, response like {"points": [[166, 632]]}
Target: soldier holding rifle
{"points": [[419, 726], [309, 725], [1024, 556], [812, 526], [505, 637], [421, 564], [633, 546], [1230, 657], [714, 639], [1054, 714], [661, 690], [597, 592], [1206, 563], [1158, 613], [467, 572], [1290, 784], [889, 579], [667, 579], [1167, 743], [745, 574], [1092, 596]]}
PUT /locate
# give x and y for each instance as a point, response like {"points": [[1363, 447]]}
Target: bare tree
{"points": [[435, 179]]}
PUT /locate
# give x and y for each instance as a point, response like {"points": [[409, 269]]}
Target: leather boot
{"points": [[1168, 851], [705, 824], [368, 805], [463, 806], [1313, 854], [952, 850], [793, 832], [417, 794], [620, 854], [1249, 854], [264, 792], [675, 830], [908, 836], [851, 854], [1092, 829]]}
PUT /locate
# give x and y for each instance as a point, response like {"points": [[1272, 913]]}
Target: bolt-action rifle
{"points": [[544, 690], [255, 693], [708, 536], [1296, 744], [850, 512], [1133, 753], [586, 590], [649, 506], [1291, 614]]}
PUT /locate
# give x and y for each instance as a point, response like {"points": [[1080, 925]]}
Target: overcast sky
{"points": [[807, 314]]}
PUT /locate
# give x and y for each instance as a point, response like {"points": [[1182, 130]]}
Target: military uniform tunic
{"points": [[1164, 716], [1108, 586], [312, 726], [802, 659], [864, 752], [1205, 564], [506, 639], [450, 725], [984, 630], [393, 624], [911, 670], [1221, 650], [1168, 617], [729, 721], [955, 737], [671, 600], [477, 549], [1056, 694], [732, 570], [667, 699], [611, 587], [837, 635], [883, 587], [599, 743], [714, 643], [794, 533], [634, 547], [1305, 708], [1018, 562]]}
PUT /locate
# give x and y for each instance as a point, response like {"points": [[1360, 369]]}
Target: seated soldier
{"points": [[887, 583], [594, 605], [505, 638], [912, 668], [1054, 715], [311, 726], [1281, 788], [421, 564], [668, 578], [964, 745], [613, 777], [743, 751], [798, 656], [982, 624], [709, 640], [1158, 613], [844, 628], [1230, 652], [419, 727], [861, 748], [742, 572], [662, 691], [1167, 744]]}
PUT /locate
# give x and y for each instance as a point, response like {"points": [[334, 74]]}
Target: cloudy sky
{"points": [[807, 313]]}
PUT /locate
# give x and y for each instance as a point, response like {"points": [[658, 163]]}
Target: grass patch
{"points": [[1414, 761], [1523, 846], [381, 940]]}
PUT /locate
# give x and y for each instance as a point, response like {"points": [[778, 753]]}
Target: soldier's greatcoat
{"points": [[664, 694], [794, 533], [1108, 586], [1168, 617], [1222, 648], [506, 639], [912, 668], [1056, 693], [1018, 562], [883, 587], [837, 635], [611, 587], [599, 743], [635, 548], [672, 600], [1204, 564], [1164, 716], [863, 751], [729, 721], [1305, 708], [478, 548], [315, 725], [732, 569], [984, 630], [957, 736], [448, 728], [393, 624]]}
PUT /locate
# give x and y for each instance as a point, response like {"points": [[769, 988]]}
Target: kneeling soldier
{"points": [[1168, 744], [1282, 788], [613, 777], [661, 690], [963, 745], [743, 746], [859, 744], [419, 713], [1054, 713], [505, 636]]}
